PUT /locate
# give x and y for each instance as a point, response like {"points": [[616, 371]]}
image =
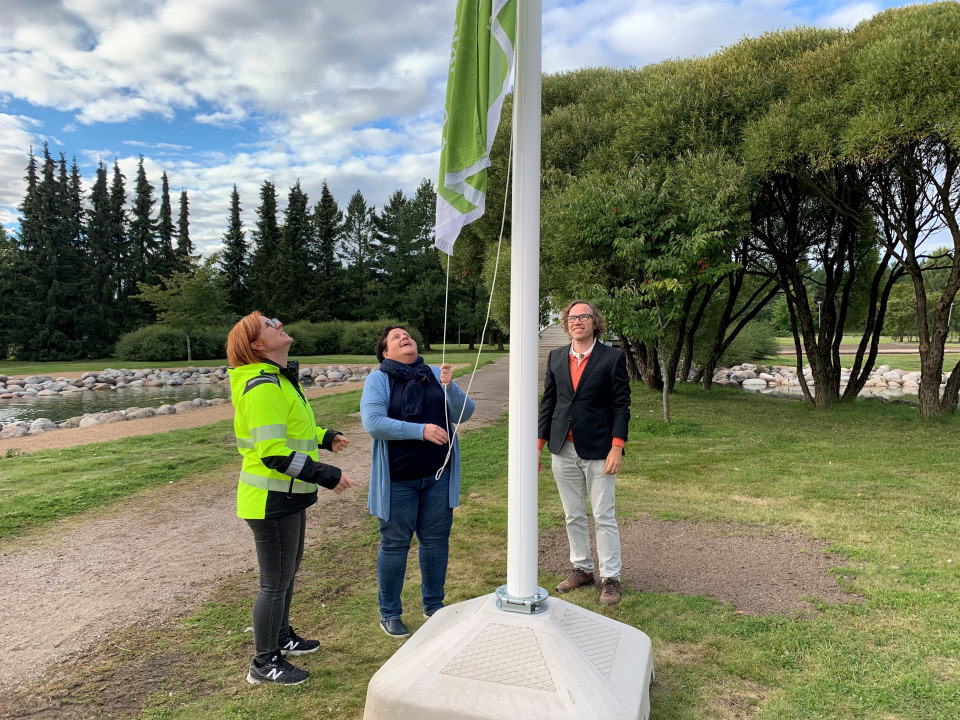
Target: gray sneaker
{"points": [[276, 670]]}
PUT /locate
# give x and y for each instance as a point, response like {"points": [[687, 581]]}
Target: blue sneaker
{"points": [[394, 628]]}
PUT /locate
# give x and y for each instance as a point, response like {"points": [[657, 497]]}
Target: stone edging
{"points": [[43, 385], [883, 380]]}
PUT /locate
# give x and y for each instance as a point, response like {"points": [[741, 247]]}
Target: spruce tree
{"points": [[184, 243], [9, 268], [234, 260], [411, 280], [119, 239], [292, 264], [359, 252], [146, 251], [266, 248], [166, 261], [100, 275], [47, 281], [328, 283]]}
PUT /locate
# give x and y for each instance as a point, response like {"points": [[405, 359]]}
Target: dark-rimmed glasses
{"points": [[582, 318]]}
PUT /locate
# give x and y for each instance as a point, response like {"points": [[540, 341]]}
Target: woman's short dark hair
{"points": [[382, 342]]}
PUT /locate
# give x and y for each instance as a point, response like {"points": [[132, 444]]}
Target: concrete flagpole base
{"points": [[472, 660]]}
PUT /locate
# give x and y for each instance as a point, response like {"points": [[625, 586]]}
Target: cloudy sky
{"points": [[217, 92]]}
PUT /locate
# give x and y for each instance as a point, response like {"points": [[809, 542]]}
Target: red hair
{"points": [[241, 337]]}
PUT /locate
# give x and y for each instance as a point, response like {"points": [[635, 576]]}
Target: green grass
{"points": [[455, 354], [875, 481], [42, 487]]}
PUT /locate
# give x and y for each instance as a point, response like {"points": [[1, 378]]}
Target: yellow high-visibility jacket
{"points": [[278, 438]]}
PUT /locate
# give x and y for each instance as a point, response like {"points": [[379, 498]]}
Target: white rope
{"points": [[486, 321]]}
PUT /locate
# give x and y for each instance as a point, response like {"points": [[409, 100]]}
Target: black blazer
{"points": [[598, 411]]}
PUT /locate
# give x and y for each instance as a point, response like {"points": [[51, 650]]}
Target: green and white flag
{"points": [[481, 61]]}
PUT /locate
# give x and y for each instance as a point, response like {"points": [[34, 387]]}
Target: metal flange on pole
{"points": [[528, 605]]}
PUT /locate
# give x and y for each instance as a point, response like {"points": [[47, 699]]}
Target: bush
{"points": [[361, 338], [756, 341], [316, 338], [158, 343]]}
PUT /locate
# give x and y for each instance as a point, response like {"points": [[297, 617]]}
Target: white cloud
{"points": [[348, 91], [16, 135]]}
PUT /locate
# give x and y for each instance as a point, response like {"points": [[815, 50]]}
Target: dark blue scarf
{"points": [[411, 397]]}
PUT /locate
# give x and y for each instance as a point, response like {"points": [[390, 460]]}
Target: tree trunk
{"points": [[664, 372], [189, 356], [860, 370], [643, 364]]}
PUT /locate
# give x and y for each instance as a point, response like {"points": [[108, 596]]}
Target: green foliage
{"points": [[901, 319], [309, 338], [189, 300], [360, 338], [157, 343], [757, 340]]}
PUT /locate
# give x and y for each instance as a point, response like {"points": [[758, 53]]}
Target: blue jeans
{"points": [[419, 506]]}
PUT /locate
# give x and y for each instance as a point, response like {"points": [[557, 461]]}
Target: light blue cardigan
{"points": [[373, 411]]}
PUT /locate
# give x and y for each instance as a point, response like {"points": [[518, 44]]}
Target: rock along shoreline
{"points": [[884, 382], [109, 380]]}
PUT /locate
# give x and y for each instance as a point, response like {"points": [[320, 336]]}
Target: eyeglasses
{"points": [[571, 319], [272, 322]]}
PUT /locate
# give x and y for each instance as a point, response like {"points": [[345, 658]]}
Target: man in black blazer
{"points": [[583, 419]]}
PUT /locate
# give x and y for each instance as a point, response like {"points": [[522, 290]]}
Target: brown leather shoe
{"points": [[609, 591], [578, 578]]}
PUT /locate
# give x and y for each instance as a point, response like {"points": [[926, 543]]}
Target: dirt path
{"points": [[161, 553]]}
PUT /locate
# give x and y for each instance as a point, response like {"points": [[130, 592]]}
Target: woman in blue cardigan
{"points": [[415, 471]]}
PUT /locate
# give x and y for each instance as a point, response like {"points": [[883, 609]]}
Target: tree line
{"points": [[816, 171], [69, 276], [86, 268]]}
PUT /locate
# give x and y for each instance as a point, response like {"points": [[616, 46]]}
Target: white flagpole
{"points": [[557, 660], [524, 315]]}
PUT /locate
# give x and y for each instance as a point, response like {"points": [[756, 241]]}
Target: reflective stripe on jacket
{"points": [[278, 438]]}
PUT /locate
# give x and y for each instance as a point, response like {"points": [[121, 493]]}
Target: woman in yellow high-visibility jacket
{"points": [[278, 438]]}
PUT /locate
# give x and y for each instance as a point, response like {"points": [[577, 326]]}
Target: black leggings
{"points": [[279, 544]]}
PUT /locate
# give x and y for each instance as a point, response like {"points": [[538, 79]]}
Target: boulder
{"points": [[14, 431], [42, 425], [141, 413]]}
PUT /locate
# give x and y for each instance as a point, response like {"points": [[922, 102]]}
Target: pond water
{"points": [[67, 405]]}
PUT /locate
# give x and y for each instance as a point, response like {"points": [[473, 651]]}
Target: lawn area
{"points": [[875, 481], [909, 361]]}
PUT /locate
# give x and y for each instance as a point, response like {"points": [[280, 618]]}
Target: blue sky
{"points": [[217, 92]]}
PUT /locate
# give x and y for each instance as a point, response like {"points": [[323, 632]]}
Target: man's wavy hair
{"points": [[599, 323]]}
